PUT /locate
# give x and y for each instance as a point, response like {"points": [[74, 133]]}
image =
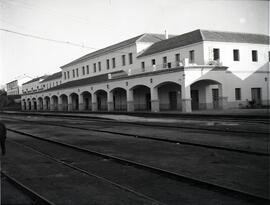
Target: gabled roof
{"points": [[152, 37], [234, 37], [104, 50], [204, 35], [147, 37], [36, 79], [53, 76]]}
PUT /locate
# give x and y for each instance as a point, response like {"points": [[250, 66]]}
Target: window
{"points": [[254, 56], [56, 83], [65, 75], [216, 54], [164, 62], [99, 66], [177, 57], [68, 74], [95, 67], [73, 73], [191, 56], [108, 64], [113, 62], [123, 60], [130, 58], [237, 93], [77, 72], [236, 55], [143, 66], [153, 62], [269, 56], [87, 69], [83, 70]]}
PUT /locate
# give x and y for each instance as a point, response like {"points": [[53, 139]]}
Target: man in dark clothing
{"points": [[3, 134]]}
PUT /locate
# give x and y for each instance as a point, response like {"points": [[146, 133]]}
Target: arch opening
{"points": [[47, 103], [40, 103], [54, 103], [87, 100], [34, 101], [102, 100], [29, 104], [205, 94], [170, 97], [119, 99], [74, 97], [142, 98], [64, 104]]}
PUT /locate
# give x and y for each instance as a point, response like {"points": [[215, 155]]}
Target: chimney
{"points": [[166, 34]]}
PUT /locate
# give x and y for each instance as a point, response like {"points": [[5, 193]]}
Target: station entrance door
{"points": [[195, 99], [215, 97]]}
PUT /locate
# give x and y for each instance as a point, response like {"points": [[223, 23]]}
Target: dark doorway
{"points": [[114, 107], [173, 100], [76, 104], [35, 105], [86, 103], [148, 101], [98, 103], [195, 99], [256, 95], [215, 96]]}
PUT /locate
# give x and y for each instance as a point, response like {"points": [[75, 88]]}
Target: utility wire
{"points": [[53, 40], [46, 39]]}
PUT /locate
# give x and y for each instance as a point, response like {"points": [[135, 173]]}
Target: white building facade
{"points": [[15, 87], [193, 71]]}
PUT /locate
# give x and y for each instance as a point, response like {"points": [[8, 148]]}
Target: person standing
{"points": [[3, 135]]}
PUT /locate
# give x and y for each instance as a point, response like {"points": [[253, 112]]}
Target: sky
{"points": [[76, 27]]}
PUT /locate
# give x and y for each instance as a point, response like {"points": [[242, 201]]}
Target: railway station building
{"points": [[152, 72]]}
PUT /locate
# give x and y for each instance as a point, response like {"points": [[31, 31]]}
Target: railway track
{"points": [[215, 188], [36, 198], [173, 125], [69, 165], [226, 118], [165, 140]]}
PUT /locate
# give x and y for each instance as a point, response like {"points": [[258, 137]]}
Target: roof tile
{"points": [[53, 76], [204, 35]]}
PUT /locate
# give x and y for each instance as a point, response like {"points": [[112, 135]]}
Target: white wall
{"points": [[244, 67], [184, 53], [50, 83], [32, 87], [103, 59], [244, 73]]}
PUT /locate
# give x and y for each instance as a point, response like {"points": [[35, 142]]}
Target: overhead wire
{"points": [[46, 39], [52, 11]]}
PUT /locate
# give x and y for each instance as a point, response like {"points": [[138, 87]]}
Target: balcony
{"points": [[214, 62], [155, 68], [161, 67]]}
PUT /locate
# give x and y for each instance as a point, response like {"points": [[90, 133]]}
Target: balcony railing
{"points": [[214, 62], [154, 68]]}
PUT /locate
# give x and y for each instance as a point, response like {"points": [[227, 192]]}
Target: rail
{"points": [[170, 174], [38, 199]]}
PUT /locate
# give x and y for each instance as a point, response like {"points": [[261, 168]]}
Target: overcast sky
{"points": [[100, 23]]}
